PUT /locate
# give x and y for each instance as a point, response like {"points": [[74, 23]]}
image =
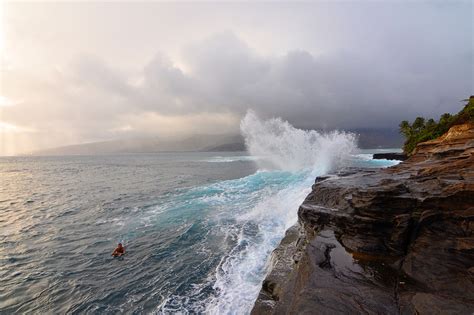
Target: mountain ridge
{"points": [[368, 138]]}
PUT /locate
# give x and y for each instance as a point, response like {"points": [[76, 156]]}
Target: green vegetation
{"points": [[423, 130]]}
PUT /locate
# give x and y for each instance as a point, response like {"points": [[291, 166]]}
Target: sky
{"points": [[78, 72]]}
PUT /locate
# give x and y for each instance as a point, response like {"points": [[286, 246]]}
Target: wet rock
{"points": [[390, 156], [281, 264], [390, 241]]}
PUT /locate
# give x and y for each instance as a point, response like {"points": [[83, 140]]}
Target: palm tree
{"points": [[419, 123], [405, 128]]}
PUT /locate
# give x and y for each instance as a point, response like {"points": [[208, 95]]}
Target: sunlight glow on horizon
{"points": [[11, 128], [6, 102]]}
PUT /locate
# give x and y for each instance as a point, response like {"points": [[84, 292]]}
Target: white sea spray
{"points": [[296, 156]]}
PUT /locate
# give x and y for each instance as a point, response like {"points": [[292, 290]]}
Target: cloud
{"points": [[6, 102], [338, 90], [10, 128], [370, 71], [341, 90]]}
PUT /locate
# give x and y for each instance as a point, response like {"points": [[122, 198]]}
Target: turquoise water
{"points": [[198, 230]]}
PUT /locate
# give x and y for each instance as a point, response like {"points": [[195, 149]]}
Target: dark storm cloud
{"points": [[344, 89]]}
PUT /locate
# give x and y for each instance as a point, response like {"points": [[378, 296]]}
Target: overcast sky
{"points": [[83, 72]]}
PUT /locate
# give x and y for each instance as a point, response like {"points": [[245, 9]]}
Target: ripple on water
{"points": [[192, 230]]}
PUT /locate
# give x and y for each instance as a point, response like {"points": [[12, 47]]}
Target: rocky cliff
{"points": [[390, 241]]}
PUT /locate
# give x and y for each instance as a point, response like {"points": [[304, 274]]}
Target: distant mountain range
{"points": [[368, 138], [150, 145]]}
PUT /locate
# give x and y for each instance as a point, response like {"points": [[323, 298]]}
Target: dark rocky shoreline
{"points": [[390, 156], [394, 241]]}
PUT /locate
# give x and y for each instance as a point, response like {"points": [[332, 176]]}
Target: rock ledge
{"points": [[394, 241]]}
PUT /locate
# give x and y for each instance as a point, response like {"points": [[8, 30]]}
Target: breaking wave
{"points": [[290, 158]]}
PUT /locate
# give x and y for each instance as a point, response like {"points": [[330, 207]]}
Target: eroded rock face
{"points": [[391, 241]]}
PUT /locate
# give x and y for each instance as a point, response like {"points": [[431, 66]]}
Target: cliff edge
{"points": [[394, 241]]}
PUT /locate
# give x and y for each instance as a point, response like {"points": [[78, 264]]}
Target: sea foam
{"points": [[294, 157], [282, 146]]}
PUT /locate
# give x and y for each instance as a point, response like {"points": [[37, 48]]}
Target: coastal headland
{"points": [[398, 240]]}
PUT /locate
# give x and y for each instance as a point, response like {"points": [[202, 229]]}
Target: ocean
{"points": [[198, 227]]}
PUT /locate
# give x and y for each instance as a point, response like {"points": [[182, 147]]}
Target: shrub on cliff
{"points": [[423, 130]]}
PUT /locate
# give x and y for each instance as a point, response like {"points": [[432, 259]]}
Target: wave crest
{"points": [[285, 147]]}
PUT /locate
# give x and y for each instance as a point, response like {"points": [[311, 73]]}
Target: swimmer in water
{"points": [[119, 251]]}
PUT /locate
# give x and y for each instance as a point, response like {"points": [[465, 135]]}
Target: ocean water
{"points": [[198, 227]]}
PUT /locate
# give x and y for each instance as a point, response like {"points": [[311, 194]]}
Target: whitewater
{"points": [[264, 205], [199, 228], [293, 158]]}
